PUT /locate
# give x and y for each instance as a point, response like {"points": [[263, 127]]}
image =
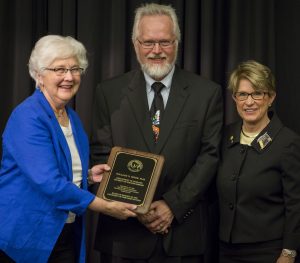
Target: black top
{"points": [[259, 186]]}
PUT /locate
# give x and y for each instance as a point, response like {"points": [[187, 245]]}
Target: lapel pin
{"points": [[264, 140]]}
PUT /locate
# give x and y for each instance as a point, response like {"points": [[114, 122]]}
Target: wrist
{"points": [[97, 205], [90, 177], [289, 253]]}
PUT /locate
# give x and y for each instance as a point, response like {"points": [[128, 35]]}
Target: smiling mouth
{"points": [[66, 87], [249, 110], [157, 60]]}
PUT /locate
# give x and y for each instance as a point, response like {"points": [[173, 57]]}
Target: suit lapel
{"points": [[138, 101], [177, 98], [58, 132], [79, 140], [137, 96], [64, 146]]}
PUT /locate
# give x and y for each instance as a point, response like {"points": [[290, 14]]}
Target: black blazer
{"points": [[259, 188], [189, 141]]}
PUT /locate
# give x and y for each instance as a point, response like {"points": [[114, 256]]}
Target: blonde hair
{"points": [[52, 47], [259, 75]]}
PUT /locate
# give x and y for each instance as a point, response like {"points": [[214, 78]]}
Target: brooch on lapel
{"points": [[264, 140], [231, 138]]}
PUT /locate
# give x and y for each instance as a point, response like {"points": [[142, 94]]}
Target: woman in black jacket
{"points": [[259, 176]]}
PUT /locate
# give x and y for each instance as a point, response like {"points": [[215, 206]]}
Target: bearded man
{"points": [[164, 110]]}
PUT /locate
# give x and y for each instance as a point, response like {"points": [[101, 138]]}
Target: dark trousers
{"points": [[158, 256], [64, 249], [262, 252], [4, 258]]}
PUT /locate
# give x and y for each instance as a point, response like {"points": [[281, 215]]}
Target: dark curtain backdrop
{"points": [[216, 35]]}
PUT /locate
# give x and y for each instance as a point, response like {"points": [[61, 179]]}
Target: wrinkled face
{"points": [[158, 61], [59, 90], [253, 112]]}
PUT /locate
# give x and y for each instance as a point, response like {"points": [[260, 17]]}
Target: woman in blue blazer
{"points": [[44, 169]]}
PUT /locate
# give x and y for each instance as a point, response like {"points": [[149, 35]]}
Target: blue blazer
{"points": [[36, 186]]}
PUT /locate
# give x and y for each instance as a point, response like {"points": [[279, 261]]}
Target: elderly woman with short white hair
{"points": [[44, 170]]}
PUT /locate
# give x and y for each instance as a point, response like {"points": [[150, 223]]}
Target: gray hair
{"points": [[155, 10], [52, 47]]}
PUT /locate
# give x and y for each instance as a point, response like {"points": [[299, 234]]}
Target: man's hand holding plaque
{"points": [[158, 219], [132, 179]]}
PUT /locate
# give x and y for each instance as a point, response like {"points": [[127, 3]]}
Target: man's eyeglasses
{"points": [[151, 44], [257, 95], [63, 71]]}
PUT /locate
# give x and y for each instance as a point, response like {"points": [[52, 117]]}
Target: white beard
{"points": [[157, 71]]}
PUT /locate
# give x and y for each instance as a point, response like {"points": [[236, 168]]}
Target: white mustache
{"points": [[156, 56]]}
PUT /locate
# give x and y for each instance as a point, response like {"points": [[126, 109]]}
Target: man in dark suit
{"points": [[186, 122]]}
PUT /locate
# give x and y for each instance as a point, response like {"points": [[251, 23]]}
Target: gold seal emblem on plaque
{"points": [[135, 166]]}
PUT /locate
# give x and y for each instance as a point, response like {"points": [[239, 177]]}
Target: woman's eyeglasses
{"points": [[63, 71], [256, 95]]}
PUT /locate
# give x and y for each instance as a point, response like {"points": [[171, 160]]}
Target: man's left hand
{"points": [[159, 217]]}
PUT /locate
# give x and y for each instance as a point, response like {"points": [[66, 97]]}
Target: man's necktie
{"points": [[157, 108]]}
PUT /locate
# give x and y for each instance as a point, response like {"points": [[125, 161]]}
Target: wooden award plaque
{"points": [[132, 179]]}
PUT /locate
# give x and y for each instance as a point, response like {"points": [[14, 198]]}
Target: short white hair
{"points": [[153, 10], [52, 47]]}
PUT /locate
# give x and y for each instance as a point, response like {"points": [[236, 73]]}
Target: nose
{"points": [[249, 100], [156, 48], [68, 75]]}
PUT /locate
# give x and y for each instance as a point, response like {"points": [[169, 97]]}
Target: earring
{"points": [[270, 105]]}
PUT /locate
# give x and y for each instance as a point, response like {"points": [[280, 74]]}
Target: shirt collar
{"points": [[263, 139], [167, 80]]}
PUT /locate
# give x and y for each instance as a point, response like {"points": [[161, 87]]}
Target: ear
{"points": [[40, 79], [136, 47], [234, 98], [272, 97]]}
